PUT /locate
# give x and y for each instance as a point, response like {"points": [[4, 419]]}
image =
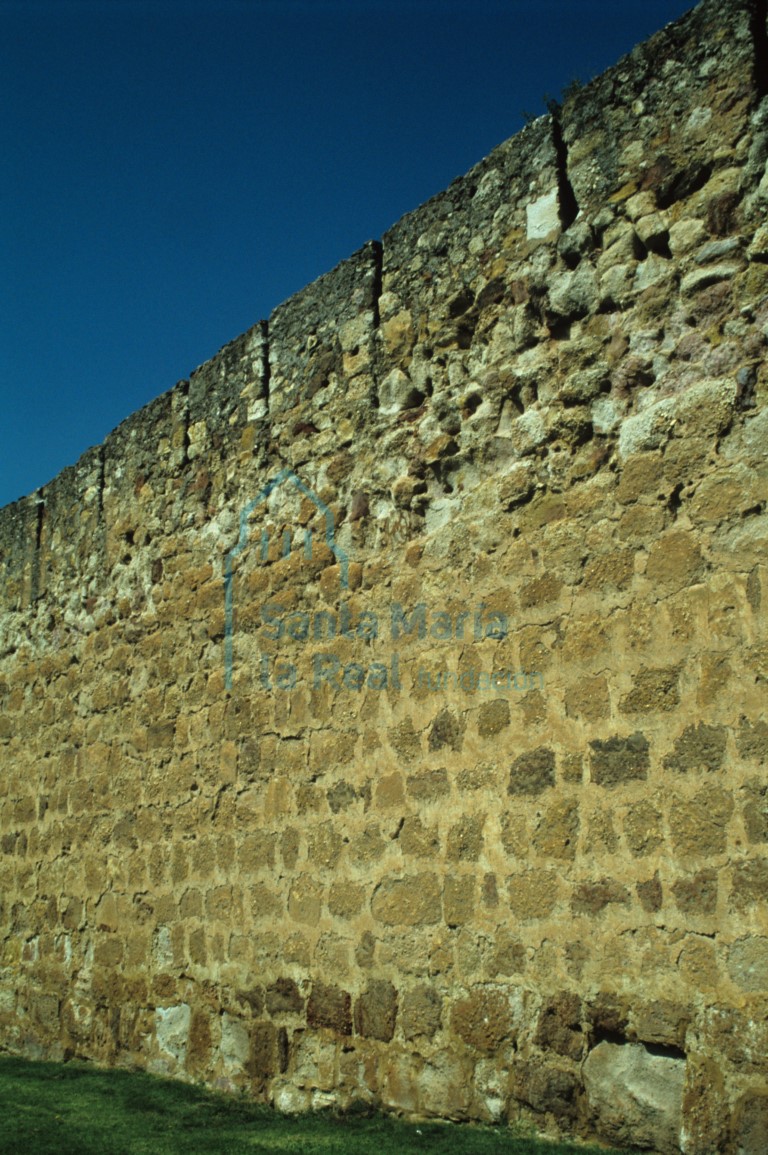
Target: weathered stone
{"points": [[594, 897], [283, 997], [634, 1096], [559, 1026], [663, 1022], [465, 839], [749, 1130], [532, 894], [697, 895], [421, 1012], [410, 901], [618, 760], [483, 1019], [428, 784], [643, 828], [650, 894], [748, 964], [447, 731], [272, 657], [493, 718], [700, 747], [557, 833], [532, 772], [331, 1007], [699, 825], [376, 1011], [549, 1090], [653, 691], [459, 900], [750, 884], [752, 739]]}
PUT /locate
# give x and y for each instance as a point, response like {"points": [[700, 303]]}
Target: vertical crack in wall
{"points": [[35, 591], [377, 249], [759, 30], [265, 369], [568, 206]]}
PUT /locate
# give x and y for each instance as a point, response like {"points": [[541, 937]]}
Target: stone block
{"points": [[559, 1026], [616, 760], [483, 1020], [414, 900], [376, 1011], [283, 997], [330, 1007], [748, 964], [635, 1097], [532, 772]]}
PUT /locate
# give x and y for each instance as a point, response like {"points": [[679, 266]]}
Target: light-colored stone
{"points": [[636, 1097]]}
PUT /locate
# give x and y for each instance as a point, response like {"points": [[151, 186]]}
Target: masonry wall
{"points": [[456, 803]]}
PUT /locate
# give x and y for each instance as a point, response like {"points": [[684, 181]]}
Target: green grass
{"points": [[75, 1109]]}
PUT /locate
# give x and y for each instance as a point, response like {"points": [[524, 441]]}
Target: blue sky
{"points": [[173, 170]]}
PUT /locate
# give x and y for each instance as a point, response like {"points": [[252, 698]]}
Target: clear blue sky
{"points": [[173, 170]]}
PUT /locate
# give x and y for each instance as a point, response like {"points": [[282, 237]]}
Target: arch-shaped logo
{"points": [[288, 477]]}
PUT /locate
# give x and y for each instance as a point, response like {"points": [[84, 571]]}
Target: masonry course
{"points": [[510, 865]]}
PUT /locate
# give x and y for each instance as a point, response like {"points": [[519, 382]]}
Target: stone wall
{"points": [[383, 708]]}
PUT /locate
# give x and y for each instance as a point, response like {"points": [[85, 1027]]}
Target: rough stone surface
{"points": [[634, 1096], [382, 710]]}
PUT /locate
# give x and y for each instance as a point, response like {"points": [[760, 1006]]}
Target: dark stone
{"points": [[547, 1089], [750, 1124], [750, 883], [493, 718], [421, 1012], [254, 997], [619, 760], [752, 739], [756, 811], [341, 796], [446, 731], [330, 1007], [428, 784], [662, 1022], [593, 897], [699, 747], [532, 772], [365, 951], [283, 1050], [559, 1026], [262, 1063], [376, 1011], [654, 691], [284, 997], [697, 895], [483, 1019], [608, 1015], [650, 894]]}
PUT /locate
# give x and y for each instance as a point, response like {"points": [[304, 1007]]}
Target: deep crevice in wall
{"points": [[759, 30], [568, 206], [378, 275], [377, 289], [183, 387], [35, 591], [265, 369]]}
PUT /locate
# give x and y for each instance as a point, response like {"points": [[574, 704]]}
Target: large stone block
{"points": [[635, 1097]]}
